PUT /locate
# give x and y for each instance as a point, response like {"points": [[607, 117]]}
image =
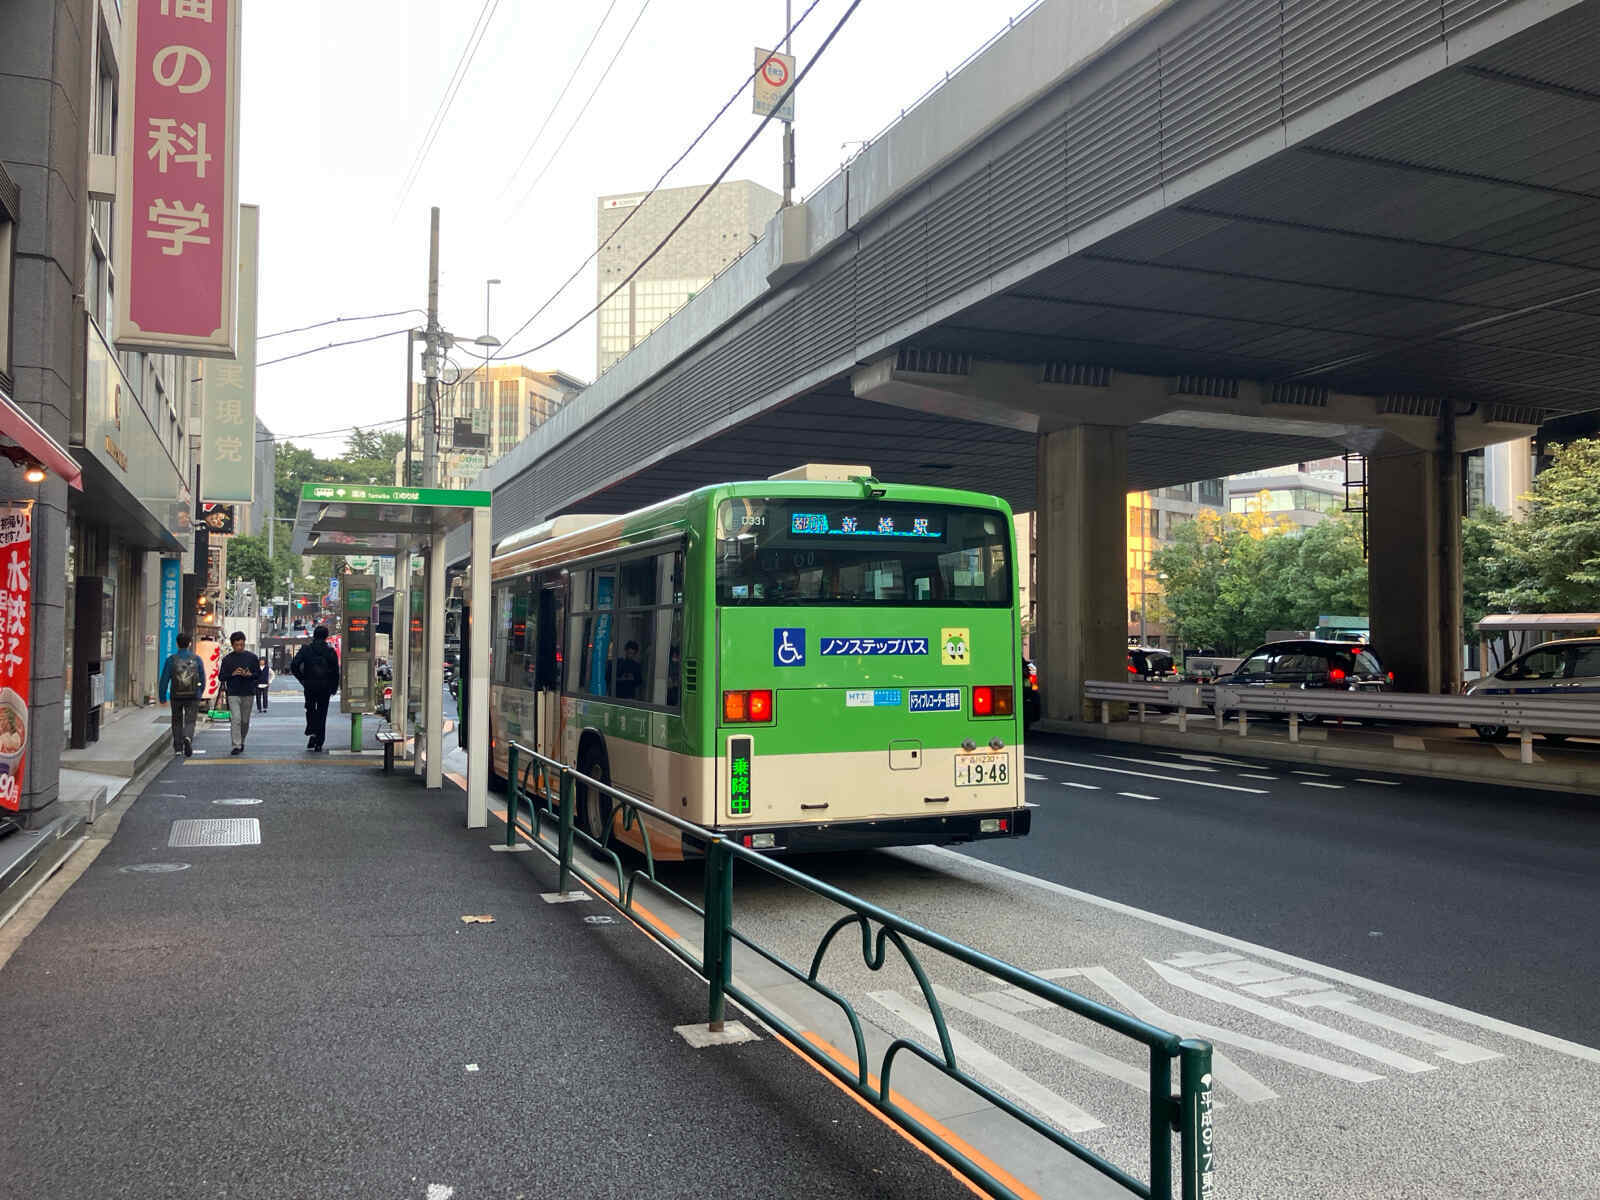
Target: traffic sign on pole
{"points": [[774, 72]]}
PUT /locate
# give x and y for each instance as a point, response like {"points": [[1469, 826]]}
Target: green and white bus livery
{"points": [[801, 664]]}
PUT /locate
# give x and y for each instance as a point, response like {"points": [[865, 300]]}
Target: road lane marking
{"points": [[1317, 774], [1012, 1000], [1465, 1016], [1247, 775], [1380, 782], [1444, 1045], [1208, 783], [1056, 1109], [1088, 787], [1160, 762], [1084, 1056], [1229, 1074], [1334, 1037], [1212, 758], [1035, 778], [438, 1191], [1338, 787], [1138, 796]]}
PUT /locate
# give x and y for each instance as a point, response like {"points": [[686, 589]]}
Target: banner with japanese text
{"points": [[228, 439], [16, 646], [171, 599], [178, 179]]}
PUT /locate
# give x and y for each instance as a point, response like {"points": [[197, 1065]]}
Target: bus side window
{"points": [[549, 673]]}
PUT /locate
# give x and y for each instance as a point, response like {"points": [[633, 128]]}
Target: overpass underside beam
{"points": [[1083, 563]]}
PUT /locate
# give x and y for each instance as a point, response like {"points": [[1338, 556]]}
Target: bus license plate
{"points": [[982, 770]]}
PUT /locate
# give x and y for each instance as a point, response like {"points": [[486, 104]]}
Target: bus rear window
{"points": [[804, 552]]}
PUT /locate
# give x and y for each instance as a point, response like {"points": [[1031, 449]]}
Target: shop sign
{"points": [[171, 598], [16, 647], [178, 190]]}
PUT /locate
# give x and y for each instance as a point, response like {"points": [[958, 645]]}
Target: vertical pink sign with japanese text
{"points": [[177, 194], [16, 646]]}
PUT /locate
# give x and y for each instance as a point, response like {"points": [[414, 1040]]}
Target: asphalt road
{"points": [[1474, 894]]}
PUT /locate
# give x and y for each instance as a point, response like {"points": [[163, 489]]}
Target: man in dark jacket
{"points": [[240, 672], [317, 669], [183, 677]]}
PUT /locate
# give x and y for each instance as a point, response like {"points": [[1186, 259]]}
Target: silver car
{"points": [[1569, 667]]}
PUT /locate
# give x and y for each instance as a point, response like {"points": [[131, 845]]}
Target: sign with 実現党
{"points": [[177, 190], [228, 389], [774, 78]]}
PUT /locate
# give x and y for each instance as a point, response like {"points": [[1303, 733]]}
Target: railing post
{"points": [[1161, 1122], [1244, 721], [1294, 727], [1197, 1133], [1525, 736], [717, 953], [569, 805], [512, 797]]}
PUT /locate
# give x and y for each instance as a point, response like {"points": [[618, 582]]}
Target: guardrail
{"points": [[1526, 715], [552, 800]]}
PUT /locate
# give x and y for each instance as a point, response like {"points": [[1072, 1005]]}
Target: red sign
{"points": [[16, 646], [177, 199]]}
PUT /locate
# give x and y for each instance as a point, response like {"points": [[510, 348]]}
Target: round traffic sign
{"points": [[774, 72]]}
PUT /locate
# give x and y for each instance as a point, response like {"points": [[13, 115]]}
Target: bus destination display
{"points": [[865, 524]]}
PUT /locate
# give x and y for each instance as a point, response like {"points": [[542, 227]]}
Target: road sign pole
{"points": [[788, 126]]}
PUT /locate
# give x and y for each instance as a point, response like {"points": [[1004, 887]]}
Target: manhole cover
{"points": [[598, 920], [153, 868], [216, 831], [238, 800]]}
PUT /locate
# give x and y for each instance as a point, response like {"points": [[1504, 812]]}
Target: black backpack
{"points": [[185, 683], [322, 668]]}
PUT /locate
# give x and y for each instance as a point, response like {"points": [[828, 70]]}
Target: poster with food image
{"points": [[16, 647], [210, 652]]}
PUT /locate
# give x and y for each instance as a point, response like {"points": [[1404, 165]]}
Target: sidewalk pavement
{"points": [[310, 1016], [1432, 751]]}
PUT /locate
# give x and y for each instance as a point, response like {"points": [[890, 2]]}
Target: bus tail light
{"points": [[993, 701], [1337, 675], [744, 706]]}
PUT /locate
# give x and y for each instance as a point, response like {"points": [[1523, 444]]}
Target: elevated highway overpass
{"points": [[1135, 243]]}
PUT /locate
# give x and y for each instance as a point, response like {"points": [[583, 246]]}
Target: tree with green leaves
{"points": [[1549, 561]]}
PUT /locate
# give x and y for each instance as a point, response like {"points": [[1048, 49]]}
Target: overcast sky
{"points": [[337, 98]]}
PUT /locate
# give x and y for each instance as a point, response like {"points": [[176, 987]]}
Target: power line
{"points": [[549, 162], [333, 346], [661, 245], [322, 433], [336, 321], [457, 78], [543, 125], [720, 113]]}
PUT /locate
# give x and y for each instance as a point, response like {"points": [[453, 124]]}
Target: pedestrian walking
{"points": [[317, 669], [183, 678], [241, 671], [262, 682]]}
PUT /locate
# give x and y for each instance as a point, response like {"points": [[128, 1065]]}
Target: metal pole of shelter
{"points": [[433, 691], [400, 643], [430, 366], [478, 676]]}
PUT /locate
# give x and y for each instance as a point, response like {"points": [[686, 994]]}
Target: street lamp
{"points": [[488, 341]]}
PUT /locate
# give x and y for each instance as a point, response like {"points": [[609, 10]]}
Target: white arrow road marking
{"points": [[1316, 1029], [1159, 762], [1440, 1008], [1229, 1074], [998, 1072], [1448, 1047], [1227, 787], [1077, 1052]]}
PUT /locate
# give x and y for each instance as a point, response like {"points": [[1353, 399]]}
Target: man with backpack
{"points": [[183, 678], [317, 669]]}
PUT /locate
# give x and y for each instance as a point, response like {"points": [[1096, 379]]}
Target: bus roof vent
{"points": [[545, 530], [824, 473]]}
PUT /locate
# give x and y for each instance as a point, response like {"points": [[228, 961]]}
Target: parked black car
{"points": [[1150, 663], [1305, 664]]}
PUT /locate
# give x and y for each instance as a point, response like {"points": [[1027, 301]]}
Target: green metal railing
{"points": [[551, 803]]}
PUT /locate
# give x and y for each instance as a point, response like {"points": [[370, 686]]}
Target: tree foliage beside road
{"points": [[1230, 577], [1549, 561]]}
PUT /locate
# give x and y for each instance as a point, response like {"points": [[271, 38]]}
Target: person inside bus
{"points": [[630, 673]]}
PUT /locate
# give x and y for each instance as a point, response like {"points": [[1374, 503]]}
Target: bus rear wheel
{"points": [[593, 807]]}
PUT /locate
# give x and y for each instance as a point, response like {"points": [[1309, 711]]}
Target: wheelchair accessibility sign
{"points": [[788, 647]]}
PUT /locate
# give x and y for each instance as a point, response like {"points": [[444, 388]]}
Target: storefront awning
{"points": [[30, 435]]}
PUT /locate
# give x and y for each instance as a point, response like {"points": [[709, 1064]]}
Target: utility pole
{"points": [[410, 408], [788, 126], [433, 347]]}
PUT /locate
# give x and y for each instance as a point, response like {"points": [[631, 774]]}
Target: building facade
{"points": [[1305, 493], [1153, 518], [503, 405], [724, 227], [126, 417]]}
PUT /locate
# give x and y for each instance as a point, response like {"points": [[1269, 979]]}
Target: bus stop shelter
{"points": [[347, 519]]}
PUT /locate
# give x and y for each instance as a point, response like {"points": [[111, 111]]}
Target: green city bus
{"points": [[801, 663]]}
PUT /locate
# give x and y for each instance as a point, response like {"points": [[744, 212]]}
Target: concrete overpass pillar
{"points": [[1082, 582], [1414, 568]]}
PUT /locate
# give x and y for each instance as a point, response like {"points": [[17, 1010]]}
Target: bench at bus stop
{"points": [[388, 738]]}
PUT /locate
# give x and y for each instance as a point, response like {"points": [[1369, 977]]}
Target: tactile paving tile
{"points": [[216, 831]]}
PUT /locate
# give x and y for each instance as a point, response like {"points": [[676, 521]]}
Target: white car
{"points": [[1569, 667]]}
